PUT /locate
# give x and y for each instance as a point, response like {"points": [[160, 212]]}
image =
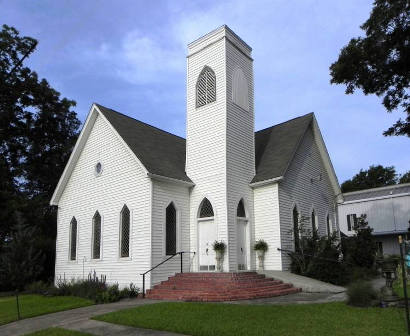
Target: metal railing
{"points": [[163, 262]]}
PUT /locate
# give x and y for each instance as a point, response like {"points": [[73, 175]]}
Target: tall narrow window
{"points": [[351, 222], [206, 209], [125, 232], [328, 224], [206, 87], [296, 228], [313, 221], [171, 230], [240, 211], [96, 236], [73, 239]]}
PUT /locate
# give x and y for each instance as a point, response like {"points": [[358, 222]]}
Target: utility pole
{"points": [[403, 271]]}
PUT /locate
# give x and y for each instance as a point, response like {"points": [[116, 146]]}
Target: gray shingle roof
{"points": [[377, 192], [275, 147], [160, 152], [163, 153]]}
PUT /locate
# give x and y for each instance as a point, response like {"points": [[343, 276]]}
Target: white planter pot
{"points": [[219, 260], [261, 258]]}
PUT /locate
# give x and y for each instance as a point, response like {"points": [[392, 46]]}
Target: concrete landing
{"points": [[307, 285]]}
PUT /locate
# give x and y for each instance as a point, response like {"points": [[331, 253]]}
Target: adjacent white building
{"points": [[387, 210], [131, 194]]}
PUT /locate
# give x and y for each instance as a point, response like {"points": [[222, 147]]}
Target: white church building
{"points": [[132, 195]]}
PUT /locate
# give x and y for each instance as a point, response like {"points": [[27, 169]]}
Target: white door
{"points": [[241, 244], [207, 235]]}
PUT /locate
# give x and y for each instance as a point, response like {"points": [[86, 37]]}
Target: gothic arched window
{"points": [[313, 221], [206, 209], [240, 211], [206, 87], [96, 236], [171, 230], [296, 228], [73, 239], [328, 225], [240, 94], [125, 232]]}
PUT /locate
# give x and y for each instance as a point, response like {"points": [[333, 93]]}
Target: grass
{"points": [[398, 289], [57, 332], [34, 305], [211, 319]]}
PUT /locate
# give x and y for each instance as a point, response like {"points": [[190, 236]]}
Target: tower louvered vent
{"points": [[206, 87]]}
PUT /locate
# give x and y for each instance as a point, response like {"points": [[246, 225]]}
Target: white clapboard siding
{"points": [[163, 194], [298, 188], [267, 223], [123, 181]]}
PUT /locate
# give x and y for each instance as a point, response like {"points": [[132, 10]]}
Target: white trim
{"points": [[265, 182], [375, 198], [170, 179]]}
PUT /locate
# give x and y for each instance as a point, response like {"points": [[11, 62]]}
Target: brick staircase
{"points": [[219, 287]]}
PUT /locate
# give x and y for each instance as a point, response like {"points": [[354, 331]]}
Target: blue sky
{"points": [[130, 56]]}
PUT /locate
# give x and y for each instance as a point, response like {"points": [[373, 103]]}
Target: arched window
{"points": [[328, 225], [313, 221], [125, 232], [240, 94], [171, 230], [73, 239], [96, 236], [240, 211], [206, 87], [206, 209], [296, 228]]}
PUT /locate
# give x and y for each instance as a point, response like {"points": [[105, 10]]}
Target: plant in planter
{"points": [[219, 248], [260, 247]]}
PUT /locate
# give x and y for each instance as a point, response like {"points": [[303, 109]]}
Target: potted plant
{"points": [[219, 248], [260, 247]]}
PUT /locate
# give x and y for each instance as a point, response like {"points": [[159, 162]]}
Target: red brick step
{"points": [[219, 287]]}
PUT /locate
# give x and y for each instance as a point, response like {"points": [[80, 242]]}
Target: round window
{"points": [[98, 168]]}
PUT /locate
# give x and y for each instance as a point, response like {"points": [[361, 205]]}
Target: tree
{"points": [[375, 176], [38, 130], [20, 261], [405, 178], [380, 62]]}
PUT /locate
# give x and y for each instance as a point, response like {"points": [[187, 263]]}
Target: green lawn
{"points": [[399, 290], [211, 319], [57, 332], [33, 305]]}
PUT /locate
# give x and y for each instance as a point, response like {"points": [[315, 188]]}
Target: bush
{"points": [[261, 245], [39, 287], [361, 294]]}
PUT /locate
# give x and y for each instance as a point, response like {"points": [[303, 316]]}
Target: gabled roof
{"points": [[160, 152], [275, 147]]}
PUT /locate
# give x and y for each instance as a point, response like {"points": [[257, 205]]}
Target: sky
{"points": [[131, 56]]}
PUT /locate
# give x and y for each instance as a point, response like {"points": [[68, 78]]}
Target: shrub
{"points": [[361, 294], [134, 290], [39, 287], [219, 246], [260, 245]]}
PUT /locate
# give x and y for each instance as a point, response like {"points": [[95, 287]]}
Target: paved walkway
{"points": [[79, 319]]}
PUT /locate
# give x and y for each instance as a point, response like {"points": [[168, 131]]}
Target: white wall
{"points": [[163, 194], [297, 188], [383, 215], [123, 181], [267, 223]]}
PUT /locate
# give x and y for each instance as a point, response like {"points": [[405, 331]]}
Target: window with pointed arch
{"points": [[171, 230], [240, 94], [240, 211], [73, 239], [125, 232], [206, 209], [328, 225], [313, 221], [96, 250], [296, 229], [205, 87]]}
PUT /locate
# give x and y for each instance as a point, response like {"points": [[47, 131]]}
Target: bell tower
{"points": [[220, 155]]}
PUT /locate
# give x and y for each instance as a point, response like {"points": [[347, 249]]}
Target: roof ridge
{"points": [[392, 186], [284, 122], [139, 121]]}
